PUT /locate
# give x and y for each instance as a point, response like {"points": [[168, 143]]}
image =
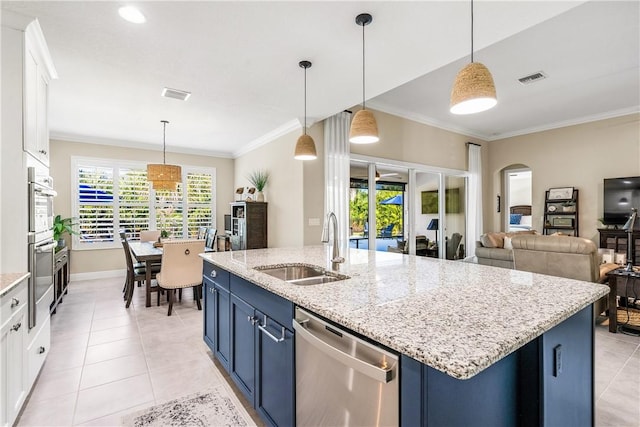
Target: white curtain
{"points": [[474, 202], [337, 174]]}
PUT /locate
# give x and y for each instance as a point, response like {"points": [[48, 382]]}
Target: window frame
{"points": [[117, 165]]}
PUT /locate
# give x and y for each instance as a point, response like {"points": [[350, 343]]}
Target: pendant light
{"points": [[305, 147], [364, 129], [164, 176], [473, 90]]}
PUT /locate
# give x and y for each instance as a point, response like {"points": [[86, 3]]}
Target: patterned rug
{"points": [[214, 407]]}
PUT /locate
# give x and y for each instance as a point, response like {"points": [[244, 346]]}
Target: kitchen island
{"points": [[503, 346]]}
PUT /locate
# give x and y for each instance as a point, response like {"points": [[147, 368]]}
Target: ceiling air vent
{"points": [[526, 80], [175, 94]]}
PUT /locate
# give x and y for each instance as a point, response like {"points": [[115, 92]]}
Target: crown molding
{"points": [[135, 144], [286, 128], [425, 120], [567, 123]]}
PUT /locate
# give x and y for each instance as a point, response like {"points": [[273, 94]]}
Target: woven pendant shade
{"points": [[364, 129], [305, 148], [473, 90], [163, 175]]}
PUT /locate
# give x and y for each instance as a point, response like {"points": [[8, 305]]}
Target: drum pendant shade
{"points": [[164, 176]]}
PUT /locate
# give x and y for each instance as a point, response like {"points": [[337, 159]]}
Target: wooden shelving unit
{"points": [[561, 215]]}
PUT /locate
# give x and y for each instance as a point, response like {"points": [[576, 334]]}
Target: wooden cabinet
{"points": [[13, 342], [248, 225], [561, 214], [617, 240], [248, 330]]}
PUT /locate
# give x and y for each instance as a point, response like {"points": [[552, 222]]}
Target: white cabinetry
{"points": [[33, 76], [13, 363]]}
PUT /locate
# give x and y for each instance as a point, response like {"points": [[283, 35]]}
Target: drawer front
{"points": [[274, 306], [38, 350], [216, 274], [11, 302]]}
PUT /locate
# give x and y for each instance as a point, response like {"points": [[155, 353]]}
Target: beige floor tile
{"points": [[114, 419], [114, 397], [111, 350], [61, 358], [113, 334], [55, 382], [112, 322], [183, 379], [52, 412], [112, 370]]}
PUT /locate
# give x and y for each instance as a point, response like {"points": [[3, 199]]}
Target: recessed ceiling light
{"points": [[182, 95], [131, 14]]}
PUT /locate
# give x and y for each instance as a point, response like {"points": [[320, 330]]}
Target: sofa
{"points": [[562, 256], [490, 249]]}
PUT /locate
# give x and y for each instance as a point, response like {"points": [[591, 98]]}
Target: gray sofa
{"points": [[496, 257]]}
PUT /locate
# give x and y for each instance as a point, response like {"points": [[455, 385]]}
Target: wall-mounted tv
{"points": [[620, 195], [452, 201]]}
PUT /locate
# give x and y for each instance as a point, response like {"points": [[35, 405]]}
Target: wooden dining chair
{"points": [[149, 235], [136, 272], [181, 268]]}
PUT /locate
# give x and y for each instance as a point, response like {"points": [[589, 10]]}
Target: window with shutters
{"points": [[112, 195]]}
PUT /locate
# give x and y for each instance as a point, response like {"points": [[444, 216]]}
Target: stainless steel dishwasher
{"points": [[342, 380]]}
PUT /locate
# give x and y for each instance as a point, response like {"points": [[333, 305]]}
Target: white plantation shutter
{"points": [[112, 195]]}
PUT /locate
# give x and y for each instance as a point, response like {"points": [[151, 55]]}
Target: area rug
{"points": [[213, 407]]}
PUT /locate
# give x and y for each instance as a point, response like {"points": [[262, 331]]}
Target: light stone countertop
{"points": [[458, 318], [9, 280]]}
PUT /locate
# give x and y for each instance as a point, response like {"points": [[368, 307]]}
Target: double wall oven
{"points": [[41, 244]]}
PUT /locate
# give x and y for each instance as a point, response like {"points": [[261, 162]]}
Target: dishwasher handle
{"points": [[379, 374]]}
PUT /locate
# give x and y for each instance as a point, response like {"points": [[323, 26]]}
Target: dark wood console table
{"points": [[61, 276], [623, 284], [617, 240]]}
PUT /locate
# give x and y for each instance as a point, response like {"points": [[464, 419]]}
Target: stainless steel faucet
{"points": [[335, 254]]}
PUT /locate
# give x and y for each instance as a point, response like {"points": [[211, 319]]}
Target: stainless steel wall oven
{"points": [[41, 245]]}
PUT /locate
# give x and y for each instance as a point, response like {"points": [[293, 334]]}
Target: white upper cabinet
{"points": [[37, 70]]}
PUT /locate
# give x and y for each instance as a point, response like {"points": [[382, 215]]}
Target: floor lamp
{"points": [[630, 227], [433, 225]]}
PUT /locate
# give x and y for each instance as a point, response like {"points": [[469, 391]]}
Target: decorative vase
{"points": [[260, 196]]}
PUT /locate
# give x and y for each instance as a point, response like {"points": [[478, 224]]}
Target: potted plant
{"points": [[568, 206], [63, 226], [259, 179]]}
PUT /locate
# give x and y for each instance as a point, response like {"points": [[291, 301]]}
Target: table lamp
{"points": [[630, 226], [433, 225]]}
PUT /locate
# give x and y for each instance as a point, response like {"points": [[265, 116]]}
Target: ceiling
{"points": [[240, 61]]}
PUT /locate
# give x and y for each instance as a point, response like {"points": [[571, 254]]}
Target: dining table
{"points": [[149, 254]]}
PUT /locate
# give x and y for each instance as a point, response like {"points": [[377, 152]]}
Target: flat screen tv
{"points": [[620, 195]]}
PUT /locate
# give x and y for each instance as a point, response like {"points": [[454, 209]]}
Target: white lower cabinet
{"points": [[13, 369], [38, 350]]}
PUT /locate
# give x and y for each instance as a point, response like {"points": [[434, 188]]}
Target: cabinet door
{"points": [[30, 141], [276, 384], [208, 299], [222, 329], [13, 366], [42, 119], [243, 321]]}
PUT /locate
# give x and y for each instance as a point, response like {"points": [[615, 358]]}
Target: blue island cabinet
{"points": [[547, 382], [249, 331]]}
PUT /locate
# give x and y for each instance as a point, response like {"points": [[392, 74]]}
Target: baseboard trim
{"points": [[98, 275]]}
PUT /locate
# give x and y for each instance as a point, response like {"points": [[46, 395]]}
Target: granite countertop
{"points": [[458, 318], [9, 280]]}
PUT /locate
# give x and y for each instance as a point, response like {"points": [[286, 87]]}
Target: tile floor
{"points": [[106, 361]]}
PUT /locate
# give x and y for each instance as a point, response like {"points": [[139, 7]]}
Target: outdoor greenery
{"points": [[385, 214]]}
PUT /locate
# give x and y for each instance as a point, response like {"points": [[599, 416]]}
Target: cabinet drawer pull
{"points": [[16, 326], [15, 302], [263, 328], [252, 319], [213, 273], [41, 350]]}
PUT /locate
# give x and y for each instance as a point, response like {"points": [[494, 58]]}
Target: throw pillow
{"points": [[507, 243], [515, 219], [494, 240]]}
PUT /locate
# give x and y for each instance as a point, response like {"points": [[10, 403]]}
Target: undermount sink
{"points": [[301, 274]]}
